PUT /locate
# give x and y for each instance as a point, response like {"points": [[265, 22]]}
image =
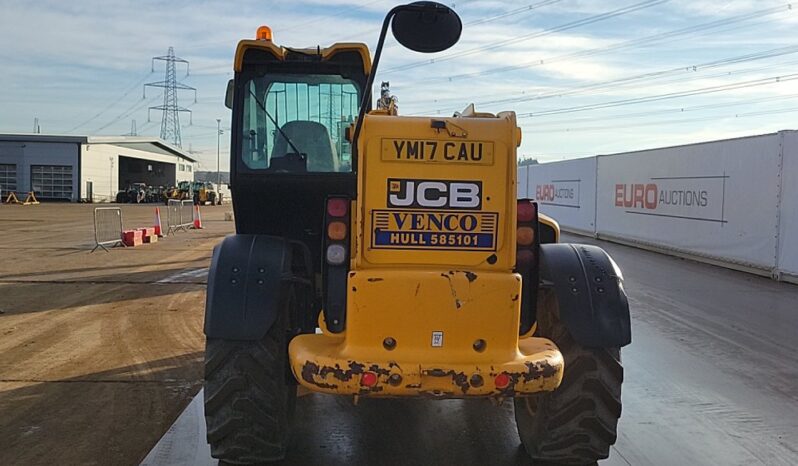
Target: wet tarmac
{"points": [[711, 379]]}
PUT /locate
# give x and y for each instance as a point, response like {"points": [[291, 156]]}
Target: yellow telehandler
{"points": [[379, 255]]}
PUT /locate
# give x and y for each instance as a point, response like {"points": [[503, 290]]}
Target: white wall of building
{"points": [[101, 161], [185, 170], [100, 166]]}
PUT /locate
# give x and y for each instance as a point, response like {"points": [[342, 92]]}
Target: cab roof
{"points": [[280, 52]]}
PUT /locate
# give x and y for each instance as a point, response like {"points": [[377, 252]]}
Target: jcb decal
{"points": [[422, 150], [435, 194]]}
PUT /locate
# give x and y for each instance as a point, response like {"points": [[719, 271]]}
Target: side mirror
{"points": [[228, 96], [426, 27]]}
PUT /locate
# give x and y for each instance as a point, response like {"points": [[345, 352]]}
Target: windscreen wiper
{"points": [[276, 125]]}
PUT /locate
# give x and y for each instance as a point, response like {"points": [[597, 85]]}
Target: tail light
{"points": [[527, 246], [368, 379], [336, 261], [526, 235], [502, 381], [336, 231], [337, 207]]}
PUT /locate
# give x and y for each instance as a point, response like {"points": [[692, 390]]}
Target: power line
{"points": [[360, 34], [624, 82], [340, 12], [112, 104], [667, 122], [695, 108], [490, 19], [138, 105], [666, 96], [523, 9], [628, 82], [623, 45], [560, 28]]}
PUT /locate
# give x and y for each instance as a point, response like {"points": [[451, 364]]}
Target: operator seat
{"points": [[310, 138]]}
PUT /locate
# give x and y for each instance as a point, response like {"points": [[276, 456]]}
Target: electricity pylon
{"points": [[170, 121]]}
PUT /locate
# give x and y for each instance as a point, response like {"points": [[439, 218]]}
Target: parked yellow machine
{"points": [[402, 240]]}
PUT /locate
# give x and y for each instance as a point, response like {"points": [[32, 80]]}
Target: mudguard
{"points": [[244, 284], [589, 289]]}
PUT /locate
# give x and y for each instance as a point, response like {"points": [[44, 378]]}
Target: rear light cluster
{"points": [[336, 258], [337, 230], [525, 235], [526, 262]]}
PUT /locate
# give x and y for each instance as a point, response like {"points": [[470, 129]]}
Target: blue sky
{"points": [[585, 77]]}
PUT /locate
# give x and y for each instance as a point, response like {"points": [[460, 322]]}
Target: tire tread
{"points": [[248, 401], [577, 423]]}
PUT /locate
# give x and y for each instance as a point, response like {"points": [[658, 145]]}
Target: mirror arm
{"points": [[370, 82]]}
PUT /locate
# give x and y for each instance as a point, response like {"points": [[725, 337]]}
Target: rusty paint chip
{"points": [[309, 370]]}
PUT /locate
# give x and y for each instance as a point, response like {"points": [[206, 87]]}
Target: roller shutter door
{"points": [[8, 177], [52, 181]]}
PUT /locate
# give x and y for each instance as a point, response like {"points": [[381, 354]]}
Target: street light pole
{"points": [[218, 144]]}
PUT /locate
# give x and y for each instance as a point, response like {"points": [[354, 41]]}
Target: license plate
{"points": [[437, 151]]}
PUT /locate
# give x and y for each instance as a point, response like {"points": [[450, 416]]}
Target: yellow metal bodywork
{"points": [[279, 52], [409, 306], [414, 283], [496, 170], [551, 223]]}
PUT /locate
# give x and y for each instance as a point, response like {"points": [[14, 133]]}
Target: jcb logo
{"points": [[435, 194]]}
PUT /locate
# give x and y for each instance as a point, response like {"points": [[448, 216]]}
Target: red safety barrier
{"points": [[148, 231], [132, 237]]}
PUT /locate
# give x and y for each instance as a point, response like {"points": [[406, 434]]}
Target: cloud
{"points": [[65, 62]]}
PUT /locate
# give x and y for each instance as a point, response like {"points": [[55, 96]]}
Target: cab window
{"points": [[296, 123]]}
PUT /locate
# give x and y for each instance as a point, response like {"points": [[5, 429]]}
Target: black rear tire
{"points": [[249, 400], [578, 422]]}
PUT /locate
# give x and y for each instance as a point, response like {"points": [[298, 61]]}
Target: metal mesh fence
{"points": [[107, 227], [187, 213], [179, 215]]}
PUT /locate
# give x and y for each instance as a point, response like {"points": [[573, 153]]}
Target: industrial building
{"points": [[88, 168]]}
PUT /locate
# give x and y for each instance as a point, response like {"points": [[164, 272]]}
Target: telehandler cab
{"points": [[383, 256]]}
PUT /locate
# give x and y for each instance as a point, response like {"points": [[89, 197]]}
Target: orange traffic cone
{"points": [[197, 218], [158, 222]]}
